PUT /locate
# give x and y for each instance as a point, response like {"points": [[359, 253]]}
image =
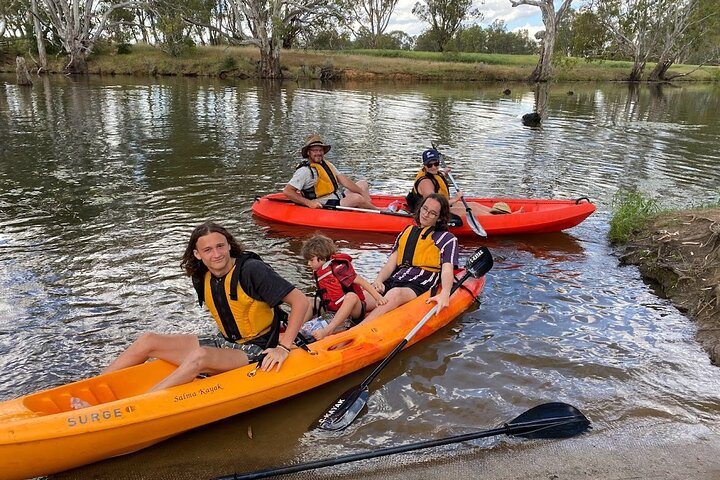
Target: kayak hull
{"points": [[528, 217], [40, 434]]}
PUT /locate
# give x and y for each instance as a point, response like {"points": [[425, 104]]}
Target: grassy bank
{"points": [[240, 62], [634, 211]]}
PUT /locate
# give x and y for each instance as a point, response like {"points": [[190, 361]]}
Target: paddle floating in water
{"points": [[553, 420]]}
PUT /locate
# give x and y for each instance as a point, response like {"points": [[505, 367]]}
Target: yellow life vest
{"points": [[439, 183], [417, 248], [239, 317], [327, 182]]}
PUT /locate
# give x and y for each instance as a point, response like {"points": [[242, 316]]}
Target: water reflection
{"points": [[102, 180]]}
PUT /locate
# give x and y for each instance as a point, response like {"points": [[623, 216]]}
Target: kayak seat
{"points": [[104, 393], [43, 404], [48, 403]]}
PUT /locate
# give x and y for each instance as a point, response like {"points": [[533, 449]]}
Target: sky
{"points": [[516, 18]]}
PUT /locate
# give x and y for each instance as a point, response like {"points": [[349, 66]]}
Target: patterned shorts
{"points": [[252, 350]]}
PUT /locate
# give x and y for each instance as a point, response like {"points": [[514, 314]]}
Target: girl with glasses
{"points": [[424, 255]]}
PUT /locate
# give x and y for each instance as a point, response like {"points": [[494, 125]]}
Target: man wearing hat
{"points": [[317, 182]]}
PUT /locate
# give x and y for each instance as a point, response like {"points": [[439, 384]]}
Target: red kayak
{"points": [[528, 216]]}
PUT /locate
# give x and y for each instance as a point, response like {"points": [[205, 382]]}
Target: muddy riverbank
{"points": [[680, 253]]}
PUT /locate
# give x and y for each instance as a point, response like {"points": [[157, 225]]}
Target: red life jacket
{"points": [[333, 280]]}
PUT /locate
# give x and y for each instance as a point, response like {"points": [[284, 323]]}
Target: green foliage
{"points": [[631, 210], [326, 39], [445, 18], [229, 63], [493, 39], [428, 41], [124, 49], [17, 46], [565, 62], [582, 34]]}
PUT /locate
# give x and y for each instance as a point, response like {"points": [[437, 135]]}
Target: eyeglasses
{"points": [[428, 212], [433, 164]]}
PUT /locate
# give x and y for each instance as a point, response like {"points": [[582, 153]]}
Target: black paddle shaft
{"points": [[366, 383], [348, 406], [549, 420]]}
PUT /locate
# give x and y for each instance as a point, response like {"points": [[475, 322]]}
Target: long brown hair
{"points": [[195, 267], [443, 218]]}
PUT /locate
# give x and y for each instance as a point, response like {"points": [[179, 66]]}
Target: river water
{"points": [[102, 180]]}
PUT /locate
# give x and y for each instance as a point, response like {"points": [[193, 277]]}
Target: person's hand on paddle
{"points": [[274, 357], [456, 198], [442, 299]]}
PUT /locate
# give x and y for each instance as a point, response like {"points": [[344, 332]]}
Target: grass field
{"points": [[368, 65]]}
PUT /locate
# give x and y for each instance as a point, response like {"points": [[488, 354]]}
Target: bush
{"points": [[228, 63], [124, 49]]}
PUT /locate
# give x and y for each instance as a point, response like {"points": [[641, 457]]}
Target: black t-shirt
{"points": [[261, 282]]}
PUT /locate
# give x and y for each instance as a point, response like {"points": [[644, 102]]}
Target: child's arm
{"points": [[379, 299]]}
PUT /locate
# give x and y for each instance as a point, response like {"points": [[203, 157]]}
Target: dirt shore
{"points": [[680, 252]]}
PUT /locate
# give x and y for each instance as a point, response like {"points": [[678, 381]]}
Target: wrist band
{"points": [[280, 345]]}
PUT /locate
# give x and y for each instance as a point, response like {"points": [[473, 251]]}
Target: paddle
{"points": [[366, 210], [472, 221], [549, 420], [348, 406]]}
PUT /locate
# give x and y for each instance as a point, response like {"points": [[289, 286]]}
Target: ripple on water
{"points": [[102, 184]]}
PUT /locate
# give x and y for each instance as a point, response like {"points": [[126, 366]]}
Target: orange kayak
{"points": [[41, 434], [529, 216]]}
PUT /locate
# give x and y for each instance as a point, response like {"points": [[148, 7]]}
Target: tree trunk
{"points": [[661, 68], [77, 63], [543, 70], [270, 60], [637, 71], [42, 55], [22, 75]]}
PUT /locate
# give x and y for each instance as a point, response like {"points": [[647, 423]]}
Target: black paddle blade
{"points": [[480, 262], [549, 420], [344, 411]]}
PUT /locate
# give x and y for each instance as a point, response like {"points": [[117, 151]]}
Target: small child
{"points": [[339, 289]]}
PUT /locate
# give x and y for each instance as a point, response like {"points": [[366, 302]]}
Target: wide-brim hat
{"points": [[500, 207], [313, 140]]}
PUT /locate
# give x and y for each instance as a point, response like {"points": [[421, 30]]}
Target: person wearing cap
{"points": [[316, 182], [243, 295], [430, 179]]}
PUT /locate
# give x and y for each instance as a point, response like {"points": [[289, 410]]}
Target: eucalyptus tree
{"points": [[39, 36], [78, 25], [686, 25], [367, 18], [265, 24], [649, 29], [551, 20], [445, 18]]}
